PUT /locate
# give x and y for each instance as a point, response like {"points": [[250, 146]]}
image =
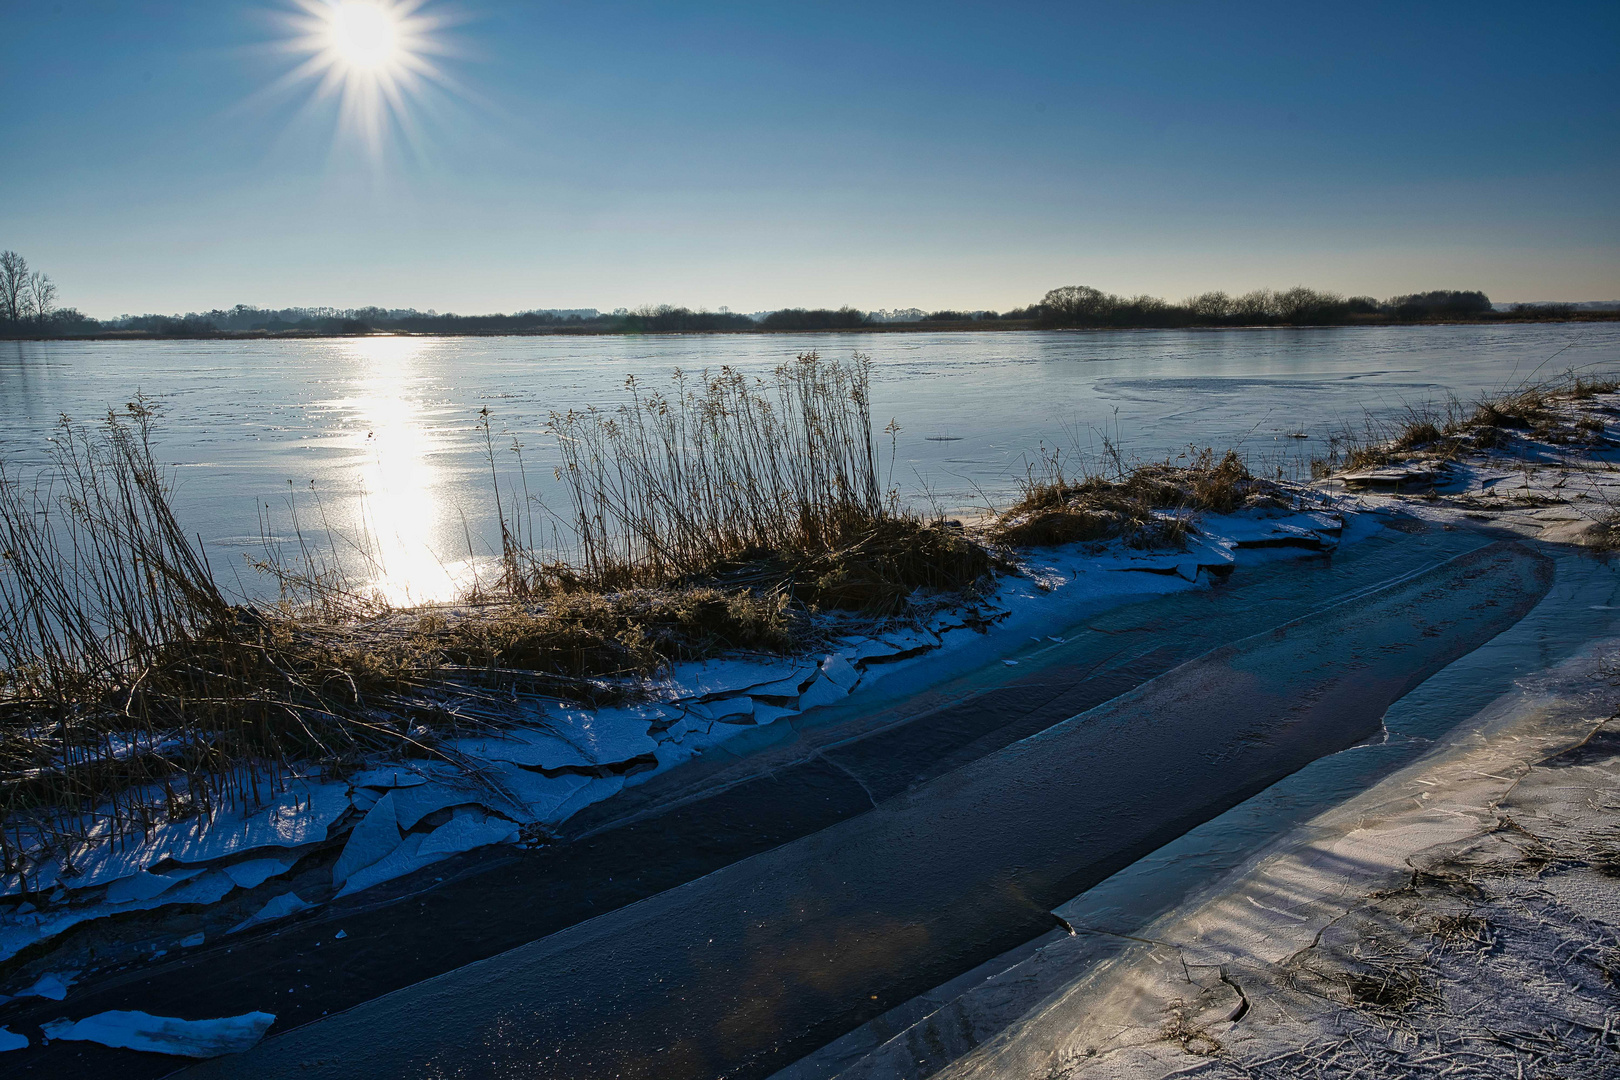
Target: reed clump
{"points": [[1146, 505], [771, 483]]}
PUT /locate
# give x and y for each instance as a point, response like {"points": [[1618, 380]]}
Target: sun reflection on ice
{"points": [[403, 497]]}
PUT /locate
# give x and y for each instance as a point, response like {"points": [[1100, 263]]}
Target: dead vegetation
{"points": [[720, 518], [1146, 506]]}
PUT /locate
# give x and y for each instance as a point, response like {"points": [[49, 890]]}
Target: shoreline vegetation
{"points": [[727, 516], [29, 310], [730, 515]]}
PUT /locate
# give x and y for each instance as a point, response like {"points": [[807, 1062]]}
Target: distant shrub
{"points": [[845, 318]]}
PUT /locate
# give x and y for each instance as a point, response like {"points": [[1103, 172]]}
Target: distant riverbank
{"points": [[963, 326]]}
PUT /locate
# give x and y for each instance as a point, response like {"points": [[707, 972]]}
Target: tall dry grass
{"points": [[676, 483], [132, 689]]}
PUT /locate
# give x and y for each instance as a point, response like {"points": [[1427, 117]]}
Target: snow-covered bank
{"points": [[1559, 482], [1457, 918], [1116, 1000], [395, 817]]}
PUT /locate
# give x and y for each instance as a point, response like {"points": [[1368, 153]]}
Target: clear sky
{"points": [[154, 157]]}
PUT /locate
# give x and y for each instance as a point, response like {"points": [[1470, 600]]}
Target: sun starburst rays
{"points": [[375, 59]]}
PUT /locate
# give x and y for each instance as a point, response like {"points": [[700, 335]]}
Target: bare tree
{"points": [[41, 297], [13, 285]]}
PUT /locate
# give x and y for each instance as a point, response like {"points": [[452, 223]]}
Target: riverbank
{"points": [[1455, 919], [398, 830]]}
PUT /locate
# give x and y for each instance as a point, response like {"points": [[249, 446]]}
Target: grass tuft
{"points": [[1147, 506]]}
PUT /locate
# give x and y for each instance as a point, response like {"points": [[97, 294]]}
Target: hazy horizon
{"points": [[959, 156]]}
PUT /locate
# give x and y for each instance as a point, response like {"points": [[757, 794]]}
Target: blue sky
{"points": [[760, 155]]}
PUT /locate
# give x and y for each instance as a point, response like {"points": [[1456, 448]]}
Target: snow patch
{"points": [[164, 1034]]}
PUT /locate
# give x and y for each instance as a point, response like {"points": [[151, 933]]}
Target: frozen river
{"points": [[385, 429]]}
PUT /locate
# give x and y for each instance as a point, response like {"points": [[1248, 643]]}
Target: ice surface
{"points": [[166, 1035], [278, 908], [191, 941], [737, 710], [585, 741], [255, 872], [765, 713], [370, 842], [18, 930], [10, 1040], [731, 676], [607, 736]]}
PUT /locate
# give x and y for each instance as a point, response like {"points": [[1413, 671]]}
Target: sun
{"points": [[364, 35], [374, 58]]}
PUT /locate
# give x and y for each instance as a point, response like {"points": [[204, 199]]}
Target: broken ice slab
{"points": [[370, 841], [252, 873], [164, 1034], [292, 818], [405, 858], [390, 776], [19, 930], [1392, 478], [579, 738], [823, 691], [411, 805], [466, 830], [765, 713], [533, 796], [53, 986], [10, 1040], [279, 908], [764, 676], [600, 787], [732, 710], [838, 669], [145, 884]]}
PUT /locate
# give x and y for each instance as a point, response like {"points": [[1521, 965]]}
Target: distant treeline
{"points": [[28, 309], [1083, 306]]}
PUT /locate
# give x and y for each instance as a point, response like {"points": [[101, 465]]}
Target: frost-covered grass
{"points": [[1144, 505], [1440, 434]]}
